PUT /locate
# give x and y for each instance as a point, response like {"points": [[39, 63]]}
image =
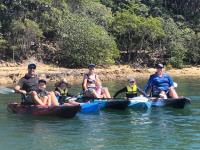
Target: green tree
{"points": [[24, 34], [137, 36], [83, 42]]}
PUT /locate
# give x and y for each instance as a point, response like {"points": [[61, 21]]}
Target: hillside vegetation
{"points": [[73, 33]]}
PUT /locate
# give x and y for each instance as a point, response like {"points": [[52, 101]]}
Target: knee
{"points": [[104, 89], [51, 93], [33, 93]]}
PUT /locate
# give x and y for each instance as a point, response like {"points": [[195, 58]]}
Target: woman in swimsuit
{"points": [[92, 85]]}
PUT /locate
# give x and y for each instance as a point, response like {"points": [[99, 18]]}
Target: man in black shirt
{"points": [[28, 85]]}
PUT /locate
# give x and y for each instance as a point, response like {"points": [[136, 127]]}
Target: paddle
{"points": [[5, 90]]}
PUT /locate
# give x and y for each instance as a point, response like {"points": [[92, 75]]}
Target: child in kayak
{"points": [[131, 90], [42, 93], [61, 92]]}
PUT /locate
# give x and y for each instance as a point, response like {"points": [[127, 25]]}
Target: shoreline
{"points": [[10, 74]]}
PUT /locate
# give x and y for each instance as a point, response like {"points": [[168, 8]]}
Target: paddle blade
{"points": [[4, 90]]}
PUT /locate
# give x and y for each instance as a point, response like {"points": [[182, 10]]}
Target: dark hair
{"points": [[42, 81], [31, 66]]}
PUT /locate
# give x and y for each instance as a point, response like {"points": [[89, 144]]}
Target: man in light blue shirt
{"points": [[161, 84]]}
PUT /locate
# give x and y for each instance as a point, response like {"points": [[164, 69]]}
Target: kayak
{"points": [[112, 104], [90, 108], [85, 107], [143, 102], [106, 103], [139, 102], [171, 102], [119, 103], [38, 110]]}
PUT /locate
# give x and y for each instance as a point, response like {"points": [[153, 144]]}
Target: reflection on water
{"points": [[156, 128]]}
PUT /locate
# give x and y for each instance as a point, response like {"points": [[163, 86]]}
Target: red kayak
{"points": [[38, 110]]}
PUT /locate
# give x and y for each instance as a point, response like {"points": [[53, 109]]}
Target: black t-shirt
{"points": [[29, 83]]}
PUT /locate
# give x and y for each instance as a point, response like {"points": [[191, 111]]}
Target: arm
{"points": [[171, 82], [84, 84], [148, 85], [19, 86], [142, 92], [120, 91], [56, 91]]}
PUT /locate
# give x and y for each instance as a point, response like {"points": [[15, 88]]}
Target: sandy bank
{"points": [[11, 73]]}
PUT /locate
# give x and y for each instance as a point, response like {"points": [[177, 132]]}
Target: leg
{"points": [[73, 102], [49, 100], [92, 93], [106, 93], [163, 95], [53, 98], [172, 92], [45, 100], [36, 99], [96, 95]]}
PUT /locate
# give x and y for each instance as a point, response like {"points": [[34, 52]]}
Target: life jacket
{"points": [[131, 91], [63, 92]]}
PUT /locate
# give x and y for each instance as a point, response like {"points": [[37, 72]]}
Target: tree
{"points": [[83, 42]]}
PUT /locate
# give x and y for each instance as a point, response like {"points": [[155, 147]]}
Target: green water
{"points": [[159, 128]]}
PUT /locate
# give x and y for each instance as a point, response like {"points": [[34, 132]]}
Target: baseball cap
{"points": [[159, 66], [91, 65], [31, 66]]}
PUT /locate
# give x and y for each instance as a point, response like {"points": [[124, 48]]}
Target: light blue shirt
{"points": [[159, 83]]}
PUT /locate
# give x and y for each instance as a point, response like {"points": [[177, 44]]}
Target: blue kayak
{"points": [[106, 103], [139, 102], [85, 107], [112, 104], [90, 108]]}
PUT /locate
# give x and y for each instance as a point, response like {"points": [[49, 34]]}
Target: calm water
{"points": [[156, 129]]}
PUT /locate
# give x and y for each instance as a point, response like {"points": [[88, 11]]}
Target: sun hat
{"points": [[57, 84], [131, 80]]}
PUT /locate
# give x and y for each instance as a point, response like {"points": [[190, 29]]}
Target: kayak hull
{"points": [[139, 103], [90, 108], [105, 103], [112, 104], [38, 110], [143, 102], [171, 102]]}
